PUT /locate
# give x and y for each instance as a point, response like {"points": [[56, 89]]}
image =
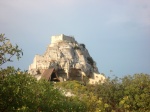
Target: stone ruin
{"points": [[70, 59]]}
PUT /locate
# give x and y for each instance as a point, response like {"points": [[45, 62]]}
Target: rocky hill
{"points": [[68, 58]]}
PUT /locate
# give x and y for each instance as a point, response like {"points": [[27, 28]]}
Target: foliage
{"points": [[16, 92], [131, 93], [83, 94], [83, 45], [77, 48], [136, 93], [74, 86], [22, 92], [90, 61], [110, 92], [7, 50]]}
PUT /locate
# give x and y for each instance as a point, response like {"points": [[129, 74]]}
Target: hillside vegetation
{"points": [[20, 92]]}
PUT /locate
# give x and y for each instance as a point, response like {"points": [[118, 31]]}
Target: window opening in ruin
{"points": [[54, 77]]}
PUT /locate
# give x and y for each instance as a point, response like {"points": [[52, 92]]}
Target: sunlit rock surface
{"points": [[70, 59]]}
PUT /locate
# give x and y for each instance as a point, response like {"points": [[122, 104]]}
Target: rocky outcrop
{"points": [[64, 53]]}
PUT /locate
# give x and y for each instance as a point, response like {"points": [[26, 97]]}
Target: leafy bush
{"points": [[83, 94], [131, 93], [136, 93], [22, 92]]}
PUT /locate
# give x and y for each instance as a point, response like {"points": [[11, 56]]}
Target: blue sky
{"points": [[116, 32]]}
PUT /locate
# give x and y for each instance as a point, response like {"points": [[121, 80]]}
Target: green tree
{"points": [[17, 92], [88, 100], [7, 50], [110, 92], [22, 92], [128, 94], [136, 93]]}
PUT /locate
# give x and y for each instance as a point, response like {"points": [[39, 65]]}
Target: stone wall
{"points": [[97, 79], [62, 37], [36, 60]]}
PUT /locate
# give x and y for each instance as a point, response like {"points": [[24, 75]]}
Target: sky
{"points": [[115, 32]]}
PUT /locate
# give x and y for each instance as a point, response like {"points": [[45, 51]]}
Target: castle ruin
{"points": [[70, 59]]}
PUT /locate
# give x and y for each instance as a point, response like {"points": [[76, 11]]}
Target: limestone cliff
{"points": [[64, 53]]}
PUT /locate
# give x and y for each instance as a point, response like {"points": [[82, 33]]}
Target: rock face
{"points": [[68, 57]]}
